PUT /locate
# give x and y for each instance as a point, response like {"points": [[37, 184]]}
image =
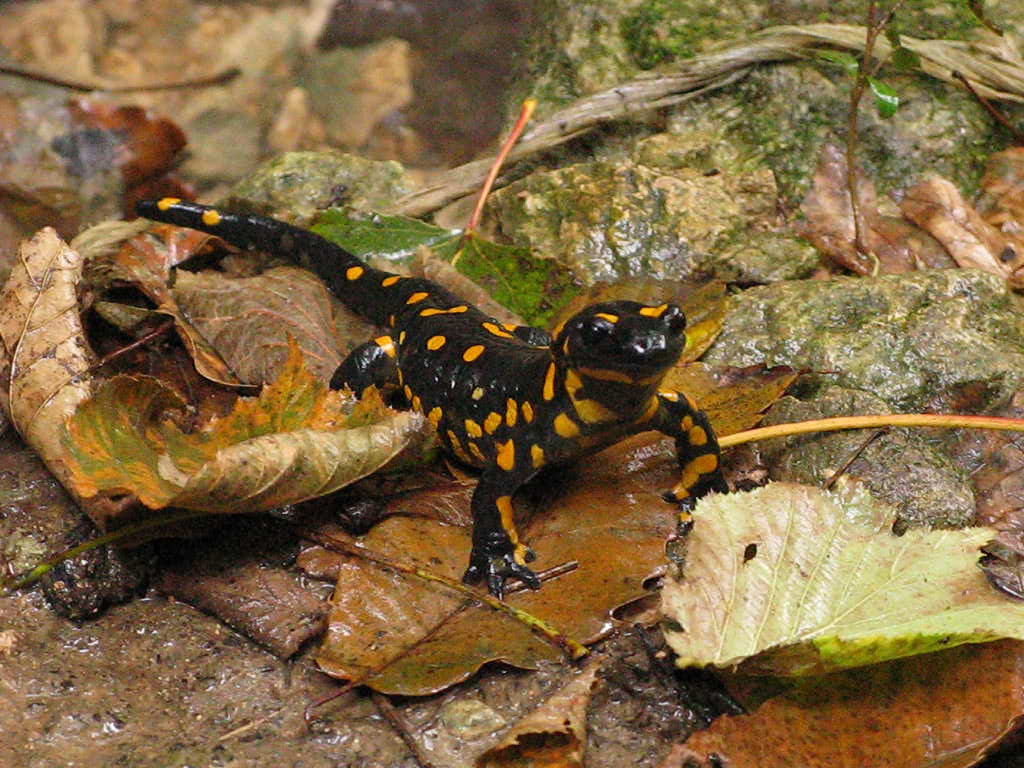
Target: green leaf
{"points": [[847, 61], [384, 237], [531, 287], [791, 580], [887, 101]]}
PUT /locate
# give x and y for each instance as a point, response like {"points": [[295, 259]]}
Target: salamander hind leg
{"points": [[497, 553]]}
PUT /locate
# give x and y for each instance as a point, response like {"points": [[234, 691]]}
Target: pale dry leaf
{"points": [[792, 580], [937, 206], [46, 355]]}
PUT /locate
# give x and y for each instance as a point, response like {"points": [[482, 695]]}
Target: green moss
{"points": [[662, 30]]}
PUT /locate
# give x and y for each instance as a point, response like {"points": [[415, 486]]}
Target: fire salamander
{"points": [[507, 399]]}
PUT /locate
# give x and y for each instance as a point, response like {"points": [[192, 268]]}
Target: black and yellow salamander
{"points": [[507, 399]]}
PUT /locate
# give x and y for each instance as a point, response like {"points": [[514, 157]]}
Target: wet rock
{"points": [[897, 465], [304, 183]]}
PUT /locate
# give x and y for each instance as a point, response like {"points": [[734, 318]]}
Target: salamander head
{"points": [[622, 341]]}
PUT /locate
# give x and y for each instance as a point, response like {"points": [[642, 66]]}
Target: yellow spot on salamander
{"points": [[510, 412], [654, 311], [573, 382], [492, 422], [475, 450], [408, 392], [549, 383], [687, 423], [592, 412], [431, 311], [417, 403], [211, 218], [473, 353], [704, 464], [417, 297], [566, 427], [508, 517], [604, 374], [354, 273], [492, 328], [391, 321], [473, 429], [478, 393], [168, 202], [669, 395], [606, 316], [387, 282], [506, 455], [528, 413], [697, 436], [434, 343], [387, 344], [435, 416], [537, 455]]}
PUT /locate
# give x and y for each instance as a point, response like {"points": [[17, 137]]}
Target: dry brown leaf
{"points": [[47, 358], [1001, 202], [937, 206], [940, 710], [248, 319], [555, 733], [898, 246], [608, 515]]}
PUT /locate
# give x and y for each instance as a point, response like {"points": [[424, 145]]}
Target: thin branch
{"points": [[75, 85]]}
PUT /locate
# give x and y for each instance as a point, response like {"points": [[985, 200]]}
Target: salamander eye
{"points": [[674, 319], [595, 329]]}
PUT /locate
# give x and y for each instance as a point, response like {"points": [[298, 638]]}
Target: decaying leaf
{"points": [[248, 320], [293, 442], [895, 245], [553, 734], [733, 398], [607, 515], [940, 710], [123, 252], [46, 356], [790, 580], [937, 206]]}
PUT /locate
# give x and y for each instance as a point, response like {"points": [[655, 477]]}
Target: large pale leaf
{"points": [[291, 443], [46, 356], [793, 580]]}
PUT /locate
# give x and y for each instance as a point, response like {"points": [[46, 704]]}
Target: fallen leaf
{"points": [[414, 638], [46, 356], [733, 398], [897, 245], [553, 734], [1001, 202], [791, 580], [940, 710], [248, 320], [937, 206], [293, 442]]}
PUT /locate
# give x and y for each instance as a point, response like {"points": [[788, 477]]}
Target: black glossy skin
{"points": [[509, 400]]}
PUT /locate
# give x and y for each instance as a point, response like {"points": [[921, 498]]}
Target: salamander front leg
{"points": [[497, 553], [372, 363], [697, 449]]}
